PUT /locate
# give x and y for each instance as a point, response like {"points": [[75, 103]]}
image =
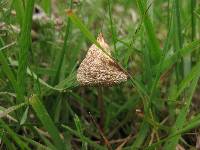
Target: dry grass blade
{"points": [[106, 141]]}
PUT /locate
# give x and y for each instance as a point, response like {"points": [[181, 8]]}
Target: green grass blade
{"points": [[180, 53], [177, 40], [178, 23], [46, 4], [140, 137], [13, 135], [195, 72], [172, 142], [19, 8], [130, 104], [63, 52], [65, 84], [25, 45], [7, 46], [7, 70], [11, 109], [172, 139], [2, 109], [9, 145], [46, 140], [24, 116], [191, 124], [193, 19], [113, 29], [36, 144], [87, 140], [159, 68], [47, 122], [78, 23], [80, 131], [155, 51]]}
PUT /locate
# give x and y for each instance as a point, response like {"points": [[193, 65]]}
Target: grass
{"points": [[43, 106], [47, 121], [25, 45]]}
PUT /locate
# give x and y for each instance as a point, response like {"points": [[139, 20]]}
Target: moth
{"points": [[97, 68]]}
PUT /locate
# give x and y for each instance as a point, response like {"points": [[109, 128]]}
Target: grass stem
{"points": [[101, 108]]}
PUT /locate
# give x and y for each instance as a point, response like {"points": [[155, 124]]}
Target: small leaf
{"points": [[24, 117]]}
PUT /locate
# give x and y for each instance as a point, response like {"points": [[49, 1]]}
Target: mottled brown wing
{"points": [[99, 69]]}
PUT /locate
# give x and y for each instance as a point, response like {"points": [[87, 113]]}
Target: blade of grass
{"points": [[25, 45], [36, 144], [80, 131], [178, 23], [10, 75], [172, 142], [158, 71], [140, 137], [87, 140], [130, 104], [75, 20], [195, 72], [13, 135], [47, 122], [9, 145], [113, 30], [7, 46], [187, 59], [46, 4], [180, 53], [191, 125], [63, 52], [155, 51], [193, 20], [83, 102], [8, 71], [177, 39], [19, 8], [11, 118], [46, 140], [24, 116], [65, 84], [11, 109], [68, 138]]}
